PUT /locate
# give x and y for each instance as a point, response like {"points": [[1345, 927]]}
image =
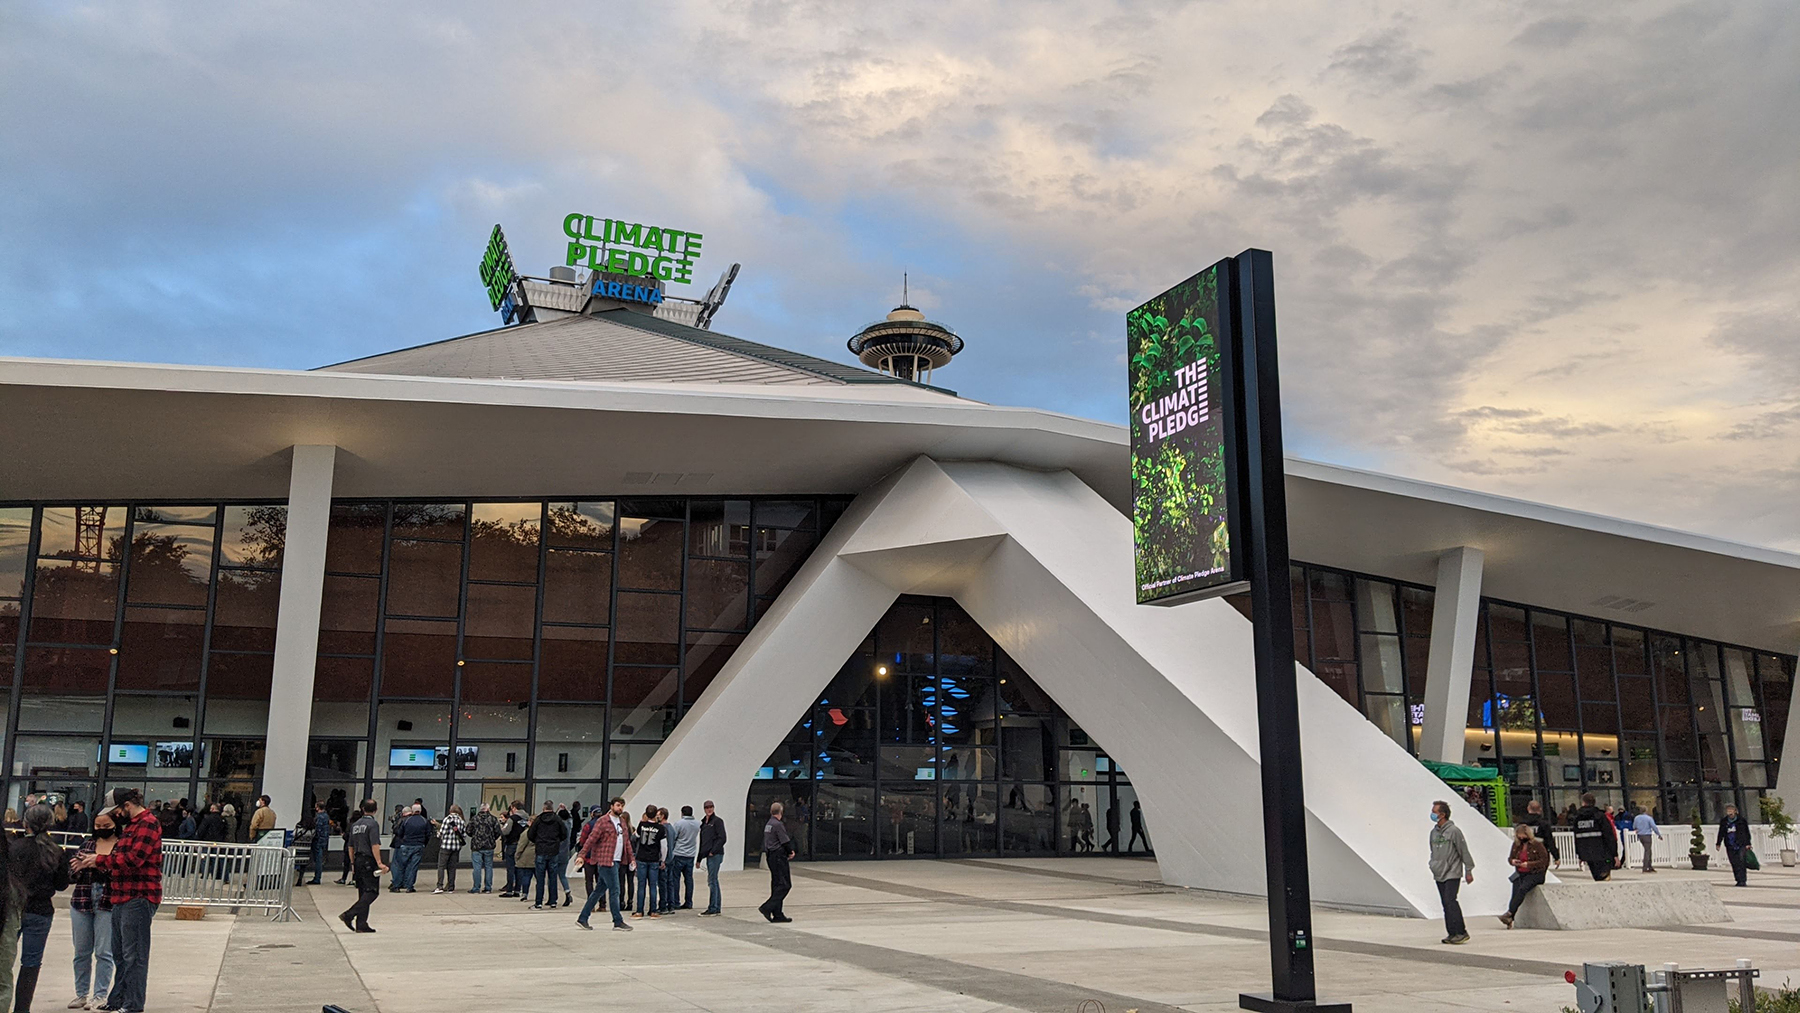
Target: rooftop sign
{"points": [[644, 251], [498, 275]]}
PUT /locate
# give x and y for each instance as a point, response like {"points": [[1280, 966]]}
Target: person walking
{"points": [[337, 807], [1734, 837], [90, 922], [649, 844], [1542, 830], [1644, 825], [1137, 827], [363, 842], [263, 819], [685, 850], [133, 867], [712, 851], [547, 836], [512, 827], [778, 851], [1451, 867], [452, 832], [1111, 846], [41, 871], [1529, 860], [607, 851], [409, 840], [1594, 835], [1621, 821], [484, 831], [321, 844]]}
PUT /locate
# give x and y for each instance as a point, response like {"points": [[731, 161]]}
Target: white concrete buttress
{"points": [[1454, 609], [1044, 565], [297, 631]]}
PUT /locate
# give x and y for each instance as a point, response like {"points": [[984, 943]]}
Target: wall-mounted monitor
{"points": [[128, 754], [466, 757], [174, 754], [414, 758]]}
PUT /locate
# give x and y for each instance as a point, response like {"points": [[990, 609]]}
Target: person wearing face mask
{"points": [[41, 871], [1451, 865], [1529, 859], [90, 919]]}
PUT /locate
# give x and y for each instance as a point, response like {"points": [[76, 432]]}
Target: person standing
{"points": [[78, 818], [1451, 867], [778, 851], [263, 820], [685, 850], [11, 912], [90, 921], [1594, 834], [230, 814], [1621, 821], [1644, 825], [1542, 830], [666, 881], [1734, 837], [511, 827], [133, 868], [451, 832], [363, 842], [649, 845], [547, 836], [484, 831], [41, 872], [1529, 859], [527, 862], [1137, 827], [321, 840], [563, 851], [409, 841], [337, 807], [712, 851], [606, 849]]}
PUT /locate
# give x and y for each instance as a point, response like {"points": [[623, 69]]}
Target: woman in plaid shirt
{"points": [[134, 868], [451, 836], [90, 921]]}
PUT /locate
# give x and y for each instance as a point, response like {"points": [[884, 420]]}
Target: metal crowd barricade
{"points": [[259, 877]]}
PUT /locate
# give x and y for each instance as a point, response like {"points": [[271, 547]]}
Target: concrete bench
{"points": [[1633, 903]]}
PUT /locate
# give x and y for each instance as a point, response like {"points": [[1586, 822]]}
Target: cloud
{"points": [[1547, 254]]}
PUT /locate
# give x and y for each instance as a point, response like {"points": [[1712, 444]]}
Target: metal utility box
{"points": [[1610, 986]]}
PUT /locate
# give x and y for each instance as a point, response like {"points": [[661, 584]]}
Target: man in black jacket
{"points": [[1595, 838], [1734, 837], [547, 834], [712, 852]]}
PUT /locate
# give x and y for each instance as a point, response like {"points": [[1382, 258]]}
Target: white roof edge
{"points": [[800, 401], [1450, 495]]}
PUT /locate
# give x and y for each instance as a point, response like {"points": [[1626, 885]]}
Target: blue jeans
{"points": [[562, 867], [712, 882], [546, 874], [320, 846], [508, 854], [682, 873], [668, 885], [481, 870], [648, 876], [131, 951], [406, 865], [606, 882], [34, 931], [93, 950]]}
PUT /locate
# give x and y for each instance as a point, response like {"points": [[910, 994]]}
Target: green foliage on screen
{"points": [[1180, 531]]}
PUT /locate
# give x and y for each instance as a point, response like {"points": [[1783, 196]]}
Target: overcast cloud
{"points": [[1544, 250]]}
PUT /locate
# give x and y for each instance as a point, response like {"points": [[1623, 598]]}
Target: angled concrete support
{"points": [[1455, 608], [297, 630], [1787, 783], [1044, 565]]}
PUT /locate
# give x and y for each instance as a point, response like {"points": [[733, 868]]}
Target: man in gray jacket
{"points": [[684, 837], [1451, 866]]}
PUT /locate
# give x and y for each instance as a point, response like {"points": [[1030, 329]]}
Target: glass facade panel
{"points": [[503, 541], [162, 648], [500, 622]]}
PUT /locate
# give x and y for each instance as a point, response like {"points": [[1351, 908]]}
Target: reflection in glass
{"points": [[15, 546], [500, 621], [648, 629], [587, 525], [418, 658], [240, 677], [643, 702], [161, 649], [718, 596], [245, 606], [347, 615], [909, 818], [429, 520], [171, 564], [970, 820], [719, 528], [424, 578], [707, 653], [74, 602], [353, 539], [650, 553], [844, 821], [503, 541], [572, 665], [75, 671], [577, 587], [254, 536]]}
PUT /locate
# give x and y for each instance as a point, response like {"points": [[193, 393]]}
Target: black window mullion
{"points": [[112, 669], [537, 651], [33, 542], [456, 677], [375, 677], [612, 654], [212, 597]]}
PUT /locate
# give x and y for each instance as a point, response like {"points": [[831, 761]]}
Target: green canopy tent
{"points": [[1489, 794]]}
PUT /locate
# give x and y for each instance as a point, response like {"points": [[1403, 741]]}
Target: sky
{"points": [[1543, 250]]}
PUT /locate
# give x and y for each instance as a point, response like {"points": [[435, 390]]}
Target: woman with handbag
{"points": [[1529, 860]]}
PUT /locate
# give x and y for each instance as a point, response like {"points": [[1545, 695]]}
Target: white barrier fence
{"points": [[1671, 849], [257, 877]]}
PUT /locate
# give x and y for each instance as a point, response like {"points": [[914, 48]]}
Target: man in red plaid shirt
{"points": [[134, 865]]}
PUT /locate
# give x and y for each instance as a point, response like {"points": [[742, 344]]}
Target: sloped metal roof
{"points": [[614, 346]]}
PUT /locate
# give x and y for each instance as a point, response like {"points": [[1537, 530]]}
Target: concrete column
{"points": [[1455, 608], [297, 630], [1787, 779]]}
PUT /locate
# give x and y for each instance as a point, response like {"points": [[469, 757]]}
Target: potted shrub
{"points": [[1697, 843], [1781, 825]]}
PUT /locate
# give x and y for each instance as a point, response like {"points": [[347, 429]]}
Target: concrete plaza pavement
{"points": [[978, 936]]}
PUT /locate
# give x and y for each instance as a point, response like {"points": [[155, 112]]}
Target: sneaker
{"points": [[621, 927], [474, 891], [537, 907], [653, 914], [1447, 940], [438, 890], [584, 925], [1459, 940], [637, 914], [488, 890], [365, 930], [412, 889], [709, 914], [79, 1002], [1506, 920]]}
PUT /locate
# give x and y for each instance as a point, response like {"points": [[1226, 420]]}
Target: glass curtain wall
{"points": [[931, 742], [140, 641]]}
